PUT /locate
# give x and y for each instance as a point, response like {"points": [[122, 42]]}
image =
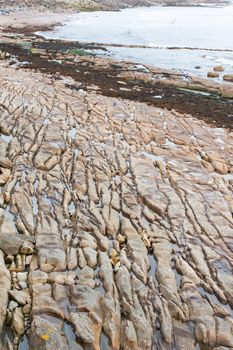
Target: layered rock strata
{"points": [[115, 223]]}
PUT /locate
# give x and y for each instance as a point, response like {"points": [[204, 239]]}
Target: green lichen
{"points": [[79, 52]]}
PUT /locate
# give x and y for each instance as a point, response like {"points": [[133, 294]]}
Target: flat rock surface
{"points": [[130, 207]]}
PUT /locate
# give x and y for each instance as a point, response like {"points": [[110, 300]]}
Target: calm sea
{"points": [[176, 37]]}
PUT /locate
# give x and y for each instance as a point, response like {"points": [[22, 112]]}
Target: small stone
{"points": [[8, 316], [12, 305], [228, 77], [120, 82], [7, 197], [212, 75], [104, 244], [63, 278], [9, 259], [27, 248], [11, 243], [28, 259], [22, 276], [121, 238], [113, 253], [115, 260], [23, 285], [18, 321], [19, 296], [219, 69], [12, 267], [117, 266], [227, 91], [19, 261], [16, 340], [38, 276], [26, 309], [116, 246]]}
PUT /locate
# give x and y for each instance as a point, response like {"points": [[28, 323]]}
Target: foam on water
{"points": [[227, 61], [175, 37], [160, 26]]}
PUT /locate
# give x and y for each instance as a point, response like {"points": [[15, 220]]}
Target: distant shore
{"points": [[187, 94], [116, 206], [68, 6]]}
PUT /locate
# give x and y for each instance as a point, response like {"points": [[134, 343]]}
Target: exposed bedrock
{"points": [[116, 223]]}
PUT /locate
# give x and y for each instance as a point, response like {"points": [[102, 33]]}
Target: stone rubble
{"points": [[115, 222]]}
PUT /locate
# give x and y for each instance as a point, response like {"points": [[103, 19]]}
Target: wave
{"points": [[225, 61]]}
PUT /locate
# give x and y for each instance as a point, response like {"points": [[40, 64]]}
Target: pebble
{"points": [[212, 75], [22, 276], [19, 296], [23, 285], [12, 305]]}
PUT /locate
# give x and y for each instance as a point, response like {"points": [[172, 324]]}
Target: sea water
{"points": [[175, 37]]}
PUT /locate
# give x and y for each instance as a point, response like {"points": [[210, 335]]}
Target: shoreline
{"points": [[116, 206], [80, 6], [198, 57], [203, 98], [23, 19]]}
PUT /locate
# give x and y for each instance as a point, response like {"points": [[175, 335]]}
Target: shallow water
{"points": [[71, 337], [166, 31], [24, 344]]}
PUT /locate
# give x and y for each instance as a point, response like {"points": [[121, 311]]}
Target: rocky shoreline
{"points": [[116, 207], [7, 6]]}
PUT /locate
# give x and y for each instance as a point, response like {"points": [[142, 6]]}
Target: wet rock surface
{"points": [[115, 222], [207, 99]]}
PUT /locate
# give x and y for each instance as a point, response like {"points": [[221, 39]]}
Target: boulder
{"points": [[219, 69], [20, 297], [228, 77], [38, 277], [87, 327], [212, 75], [5, 162], [11, 244], [45, 335], [227, 91], [18, 321]]}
